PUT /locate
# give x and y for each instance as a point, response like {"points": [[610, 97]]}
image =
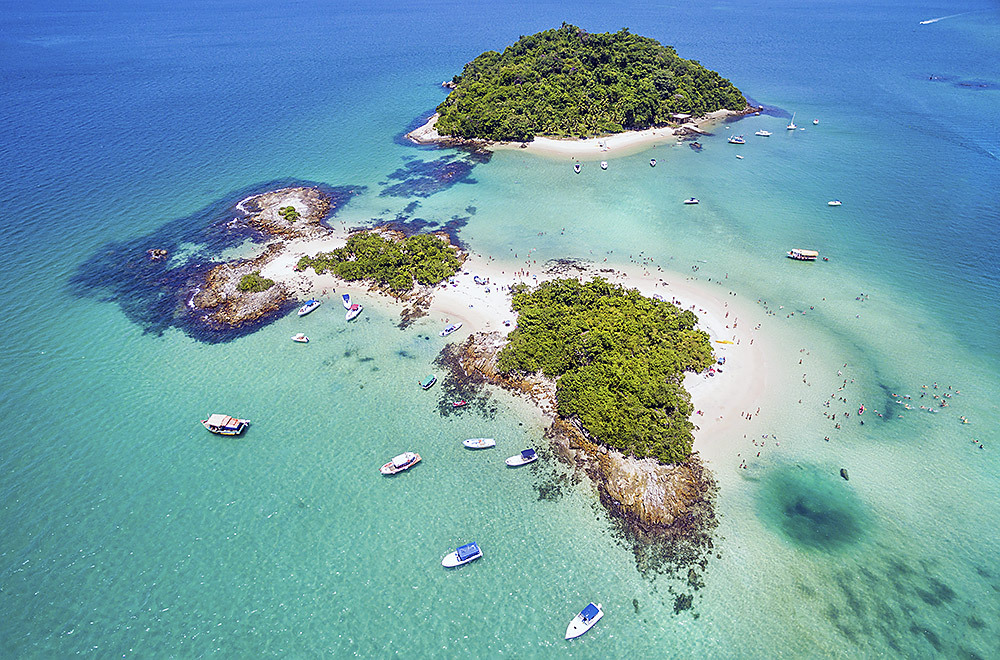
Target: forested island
{"points": [[618, 359], [567, 82]]}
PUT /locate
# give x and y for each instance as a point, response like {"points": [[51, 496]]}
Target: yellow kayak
{"points": [[723, 341]]}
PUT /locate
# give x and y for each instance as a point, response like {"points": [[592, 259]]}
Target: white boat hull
{"points": [[518, 461], [451, 559], [479, 443], [578, 626], [352, 314]]}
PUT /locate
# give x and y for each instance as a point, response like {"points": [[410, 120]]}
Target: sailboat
{"points": [[791, 125]]}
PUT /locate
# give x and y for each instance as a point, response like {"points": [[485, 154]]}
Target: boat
{"points": [[301, 338], [834, 202], [815, 122], [584, 621], [696, 145], [427, 382], [526, 456], [802, 255], [462, 555], [310, 305], [652, 162], [459, 404], [398, 464], [576, 168], [763, 133], [604, 164], [225, 425], [479, 443], [450, 328], [347, 300], [861, 410], [736, 139], [739, 156], [691, 200], [353, 311], [791, 124]]}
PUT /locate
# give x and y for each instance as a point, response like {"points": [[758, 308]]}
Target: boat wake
{"points": [[935, 20]]}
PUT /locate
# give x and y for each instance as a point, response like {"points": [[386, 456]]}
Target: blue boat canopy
{"points": [[589, 612], [527, 453], [467, 551]]}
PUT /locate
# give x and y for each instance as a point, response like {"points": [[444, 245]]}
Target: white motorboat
{"points": [[462, 555], [739, 157], [584, 621], [479, 443], [347, 300], [576, 168], [652, 162], [834, 202], [736, 139], [526, 456], [353, 311], [791, 125], [691, 200], [225, 425], [604, 164], [398, 464], [815, 122], [310, 305], [301, 338], [763, 133], [450, 328]]}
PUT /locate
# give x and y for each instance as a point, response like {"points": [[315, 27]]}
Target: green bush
{"points": [[423, 258], [618, 359], [254, 283], [289, 213], [567, 82]]}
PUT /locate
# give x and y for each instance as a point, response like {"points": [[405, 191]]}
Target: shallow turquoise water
{"points": [[128, 531]]}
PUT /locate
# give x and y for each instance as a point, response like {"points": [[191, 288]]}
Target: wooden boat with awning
{"points": [[225, 425]]}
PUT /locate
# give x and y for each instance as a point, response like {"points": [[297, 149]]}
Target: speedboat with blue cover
{"points": [[584, 621], [462, 555], [526, 456], [450, 328], [347, 300], [310, 305]]}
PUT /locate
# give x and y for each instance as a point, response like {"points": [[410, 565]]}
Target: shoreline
{"points": [[591, 148]]}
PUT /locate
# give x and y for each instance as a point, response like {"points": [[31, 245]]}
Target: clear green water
{"points": [[128, 530]]}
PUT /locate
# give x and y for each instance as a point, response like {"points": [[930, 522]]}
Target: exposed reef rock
{"points": [[156, 254], [263, 212]]}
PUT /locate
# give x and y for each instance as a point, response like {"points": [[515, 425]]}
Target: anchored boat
{"points": [[526, 456], [450, 328], [462, 555], [398, 464], [301, 338], [354, 310], [310, 305], [584, 621], [802, 255], [691, 200], [479, 443], [225, 425], [347, 300], [427, 382]]}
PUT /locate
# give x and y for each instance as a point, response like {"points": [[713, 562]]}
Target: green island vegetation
{"points": [[618, 359], [424, 258], [289, 213], [568, 82], [254, 283]]}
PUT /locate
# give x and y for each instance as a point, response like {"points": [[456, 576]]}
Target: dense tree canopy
{"points": [[568, 82], [394, 264], [618, 358]]}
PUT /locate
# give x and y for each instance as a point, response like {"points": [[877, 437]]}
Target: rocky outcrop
{"points": [[228, 307], [263, 212]]}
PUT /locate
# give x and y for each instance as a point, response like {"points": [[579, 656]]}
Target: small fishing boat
{"points": [[427, 382], [404, 461], [736, 139], [802, 255], [347, 300], [604, 164], [310, 305], [450, 328], [815, 122], [576, 168], [791, 124], [834, 202], [459, 404], [526, 456], [462, 555], [652, 162], [739, 156], [353, 312], [691, 200], [763, 133], [584, 621], [479, 443], [225, 425], [301, 338]]}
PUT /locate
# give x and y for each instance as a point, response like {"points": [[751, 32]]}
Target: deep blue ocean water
{"points": [[128, 532]]}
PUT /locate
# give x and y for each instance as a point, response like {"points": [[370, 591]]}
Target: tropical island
{"points": [[568, 83]]}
